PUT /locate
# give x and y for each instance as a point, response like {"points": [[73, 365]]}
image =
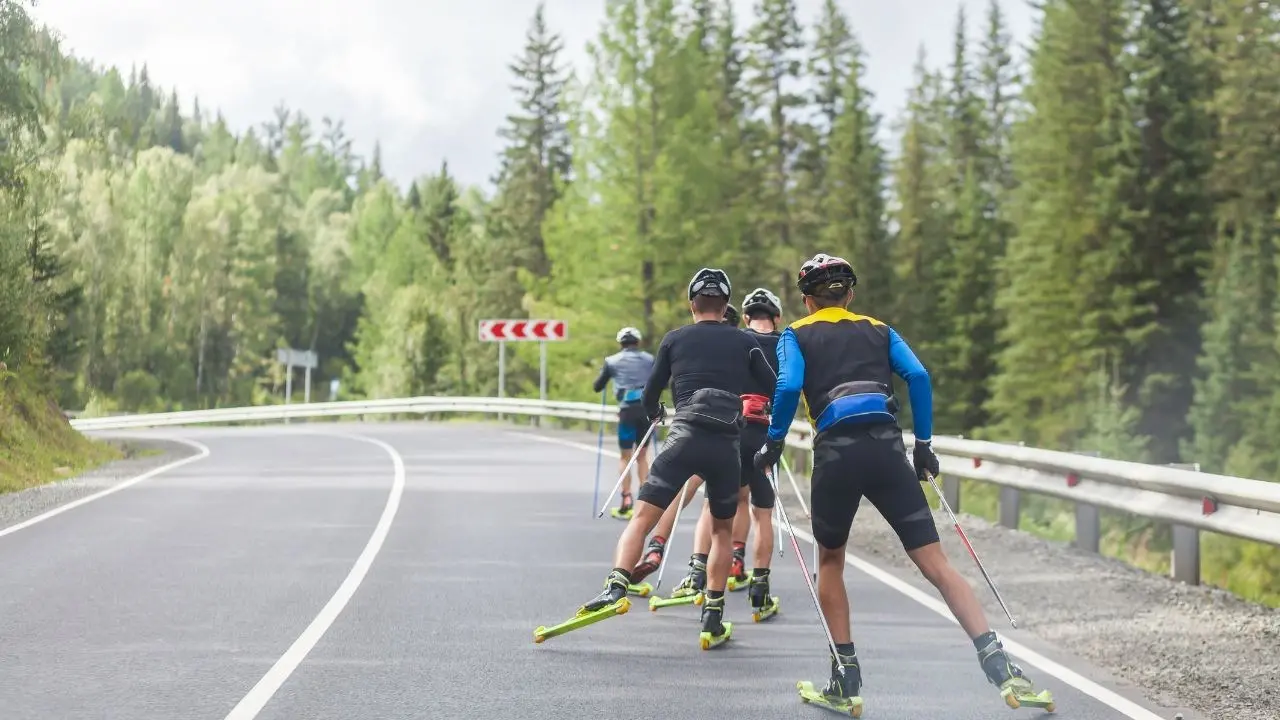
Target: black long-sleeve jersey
{"points": [[706, 354], [768, 342]]}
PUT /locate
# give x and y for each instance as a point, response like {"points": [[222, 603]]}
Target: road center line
{"points": [[258, 697], [1086, 686], [202, 452]]}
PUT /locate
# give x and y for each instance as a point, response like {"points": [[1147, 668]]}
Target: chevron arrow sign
{"points": [[517, 330]]}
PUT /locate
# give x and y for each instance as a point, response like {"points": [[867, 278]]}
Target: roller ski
{"points": [[715, 631], [842, 691], [613, 601], [689, 591], [624, 509], [1015, 688], [763, 605], [738, 578]]}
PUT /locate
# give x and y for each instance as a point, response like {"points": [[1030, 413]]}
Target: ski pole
{"points": [[777, 519], [644, 441], [684, 493], [595, 495], [973, 553], [813, 592]]}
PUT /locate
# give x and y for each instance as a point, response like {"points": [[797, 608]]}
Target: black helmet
{"points": [[825, 275], [731, 316], [628, 336], [710, 281], [762, 300]]}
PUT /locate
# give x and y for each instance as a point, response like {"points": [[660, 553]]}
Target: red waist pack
{"points": [[755, 408]]}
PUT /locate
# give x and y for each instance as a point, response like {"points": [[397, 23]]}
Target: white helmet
{"points": [[762, 299], [629, 334]]}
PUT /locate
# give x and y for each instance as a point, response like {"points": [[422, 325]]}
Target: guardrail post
{"points": [[1088, 520], [951, 491], [1185, 561], [1010, 501]]}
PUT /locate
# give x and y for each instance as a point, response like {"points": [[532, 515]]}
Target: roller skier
{"points": [[708, 366], [843, 364], [657, 546], [628, 368], [763, 311]]}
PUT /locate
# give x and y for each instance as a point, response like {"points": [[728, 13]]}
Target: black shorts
{"points": [[852, 462], [752, 438], [632, 425], [690, 451]]}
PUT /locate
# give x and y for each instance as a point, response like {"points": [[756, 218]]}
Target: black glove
{"points": [[768, 454], [924, 460], [657, 417]]}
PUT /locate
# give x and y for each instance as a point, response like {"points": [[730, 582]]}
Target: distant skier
{"points": [[708, 366], [628, 368], [843, 364]]}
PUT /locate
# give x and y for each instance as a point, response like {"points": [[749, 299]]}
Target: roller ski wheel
{"points": [[707, 641], [1015, 688], [810, 695], [582, 619], [760, 614], [643, 589]]}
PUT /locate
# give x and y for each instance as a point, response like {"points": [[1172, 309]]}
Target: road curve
{"points": [[177, 596]]}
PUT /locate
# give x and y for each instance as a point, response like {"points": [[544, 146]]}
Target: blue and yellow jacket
{"points": [[834, 347]]}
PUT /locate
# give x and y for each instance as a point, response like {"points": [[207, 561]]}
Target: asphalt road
{"points": [[183, 595]]}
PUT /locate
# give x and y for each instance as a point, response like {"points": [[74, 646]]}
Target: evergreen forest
{"points": [[1079, 237]]}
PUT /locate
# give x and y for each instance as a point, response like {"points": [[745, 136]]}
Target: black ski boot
{"points": [[615, 588], [842, 692], [696, 581], [652, 559], [738, 578], [763, 606], [715, 631], [1015, 688], [624, 509]]}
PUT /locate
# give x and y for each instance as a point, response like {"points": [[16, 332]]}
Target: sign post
{"points": [[291, 359], [540, 331]]}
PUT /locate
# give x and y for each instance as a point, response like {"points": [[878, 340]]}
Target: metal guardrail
{"points": [[1190, 501]]}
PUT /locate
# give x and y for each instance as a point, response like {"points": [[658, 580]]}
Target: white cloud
{"points": [[427, 77]]}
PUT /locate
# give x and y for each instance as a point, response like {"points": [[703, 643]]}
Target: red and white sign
{"points": [[502, 330]]}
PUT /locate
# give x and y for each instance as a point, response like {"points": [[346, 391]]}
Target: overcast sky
{"points": [[426, 77]]}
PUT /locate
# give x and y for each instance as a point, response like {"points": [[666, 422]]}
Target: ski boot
{"points": [[715, 631], [738, 578], [651, 561], [1015, 688], [763, 606], [613, 601], [624, 509], [690, 589], [842, 691]]}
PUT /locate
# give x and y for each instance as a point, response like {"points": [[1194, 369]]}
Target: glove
{"points": [[924, 460], [657, 418], [768, 454]]}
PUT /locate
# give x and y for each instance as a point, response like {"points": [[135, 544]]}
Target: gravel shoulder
{"points": [[1186, 648], [141, 455], [1183, 646]]}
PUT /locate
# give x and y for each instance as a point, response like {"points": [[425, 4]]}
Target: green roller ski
{"points": [[620, 515], [661, 602], [1016, 697], [708, 641], [810, 695], [736, 584], [581, 620], [761, 614], [643, 589]]}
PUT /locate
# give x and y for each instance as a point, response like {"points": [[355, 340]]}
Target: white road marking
{"points": [[1084, 685], [258, 697], [203, 452]]}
